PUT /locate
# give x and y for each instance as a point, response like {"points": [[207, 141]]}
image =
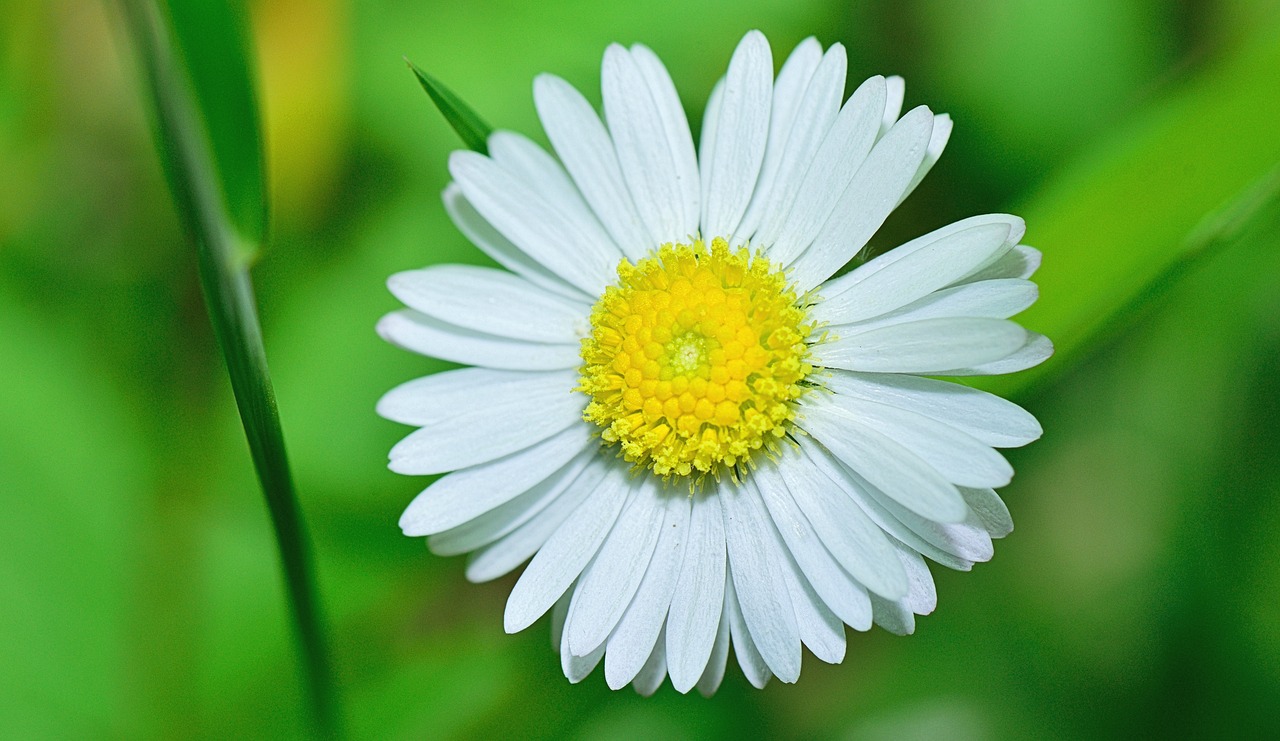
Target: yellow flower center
{"points": [[695, 359]]}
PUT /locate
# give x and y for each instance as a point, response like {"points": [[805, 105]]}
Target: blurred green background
{"points": [[140, 594]]}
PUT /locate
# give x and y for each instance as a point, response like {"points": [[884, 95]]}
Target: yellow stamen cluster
{"points": [[695, 359]]}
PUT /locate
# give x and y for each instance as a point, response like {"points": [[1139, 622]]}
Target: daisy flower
{"points": [[699, 437]]}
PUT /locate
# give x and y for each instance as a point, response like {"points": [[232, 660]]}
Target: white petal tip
{"points": [[411, 527], [1017, 229], [950, 513], [614, 54], [406, 467], [383, 327], [582, 642], [514, 620], [891, 590], [462, 159]]}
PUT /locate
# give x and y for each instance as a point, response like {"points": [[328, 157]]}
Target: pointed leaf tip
{"points": [[472, 129]]}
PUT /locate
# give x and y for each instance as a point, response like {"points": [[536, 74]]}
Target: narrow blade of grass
{"points": [[212, 156], [472, 129]]}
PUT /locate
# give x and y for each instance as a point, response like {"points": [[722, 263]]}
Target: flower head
{"points": [[698, 436]]}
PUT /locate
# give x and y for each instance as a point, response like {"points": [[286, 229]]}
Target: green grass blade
{"points": [[210, 41], [472, 129], [184, 134]]}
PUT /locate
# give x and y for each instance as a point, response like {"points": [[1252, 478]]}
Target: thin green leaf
{"points": [[184, 127], [472, 129], [1128, 217], [209, 37]]}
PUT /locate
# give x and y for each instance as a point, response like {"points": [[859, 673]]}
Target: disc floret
{"points": [[695, 359]]}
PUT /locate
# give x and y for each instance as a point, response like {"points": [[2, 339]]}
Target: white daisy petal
{"points": [[490, 241], [937, 142], [820, 630], [696, 604], [575, 249], [909, 273], [509, 551], [533, 165], [846, 597], [491, 301], [422, 334], [470, 492], [967, 540], [892, 468], [653, 672], [558, 614], [990, 509], [1035, 350], [987, 417], [794, 140], [676, 128], [1020, 262], [642, 624], [899, 617], [991, 299], [566, 553], [853, 540], [789, 92], [475, 415], [422, 400], [607, 586], [894, 617], [709, 137], [752, 663], [869, 499], [866, 202], [791, 226], [922, 598], [758, 583], [959, 457], [577, 668], [929, 346], [711, 677], [943, 236], [587, 152], [651, 136], [741, 133], [505, 518], [896, 91]]}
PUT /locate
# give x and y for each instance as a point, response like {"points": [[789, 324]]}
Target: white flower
{"points": [[698, 436]]}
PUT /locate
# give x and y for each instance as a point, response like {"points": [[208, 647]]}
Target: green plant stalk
{"points": [[223, 259]]}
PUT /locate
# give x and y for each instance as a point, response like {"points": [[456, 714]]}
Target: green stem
{"points": [[222, 257]]}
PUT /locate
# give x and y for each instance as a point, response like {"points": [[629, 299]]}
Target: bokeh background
{"points": [[140, 594]]}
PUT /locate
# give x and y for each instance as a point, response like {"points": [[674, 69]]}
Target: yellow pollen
{"points": [[695, 359]]}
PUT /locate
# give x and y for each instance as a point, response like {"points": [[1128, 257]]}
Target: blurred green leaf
{"points": [[472, 129], [209, 35], [1116, 227], [1090, 55]]}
